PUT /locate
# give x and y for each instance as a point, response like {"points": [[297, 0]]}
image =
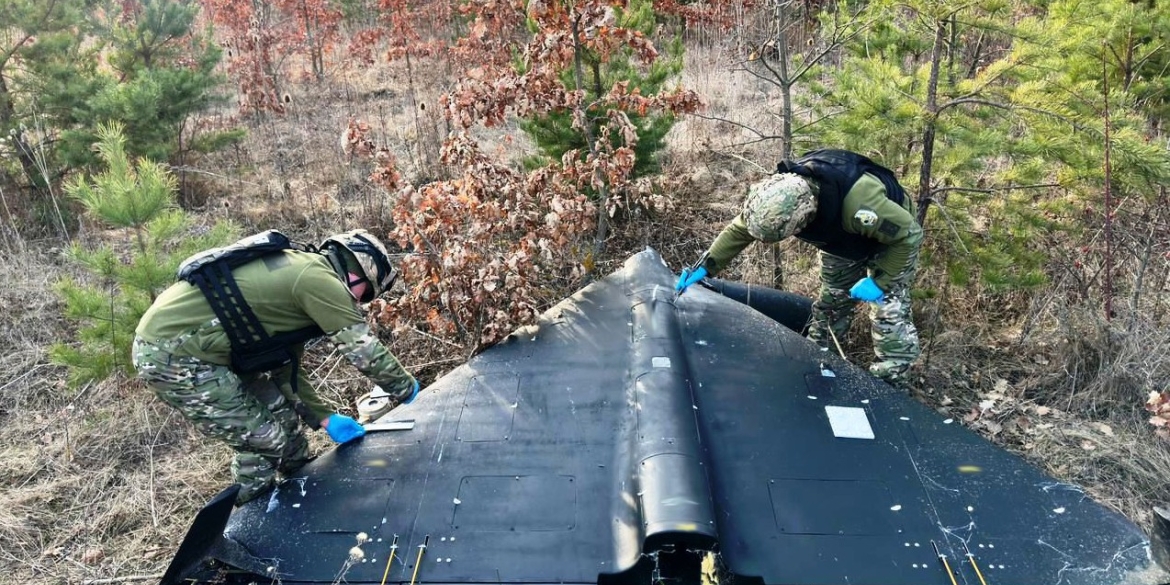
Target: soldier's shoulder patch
{"points": [[866, 216], [889, 228]]}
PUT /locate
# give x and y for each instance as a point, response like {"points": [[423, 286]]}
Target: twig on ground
{"points": [[439, 339], [126, 579], [22, 376], [150, 457], [418, 367]]}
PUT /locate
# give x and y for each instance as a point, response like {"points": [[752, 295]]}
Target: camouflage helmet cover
{"points": [[371, 255], [779, 206]]}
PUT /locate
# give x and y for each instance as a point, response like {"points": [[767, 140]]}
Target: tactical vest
{"points": [[836, 171], [252, 348]]}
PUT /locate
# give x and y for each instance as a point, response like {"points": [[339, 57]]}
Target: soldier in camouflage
{"points": [[857, 214], [183, 353]]}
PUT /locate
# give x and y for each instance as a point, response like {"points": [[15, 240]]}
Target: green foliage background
{"points": [[149, 237], [555, 135]]}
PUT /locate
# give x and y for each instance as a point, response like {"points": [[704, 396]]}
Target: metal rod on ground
{"points": [[946, 564], [971, 558], [418, 562], [390, 561]]}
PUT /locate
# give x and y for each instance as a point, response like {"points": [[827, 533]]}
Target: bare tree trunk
{"points": [[786, 82], [924, 189], [22, 147], [1108, 196], [781, 40], [591, 142]]}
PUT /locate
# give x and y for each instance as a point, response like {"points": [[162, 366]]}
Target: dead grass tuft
{"points": [[1123, 467], [1067, 394]]}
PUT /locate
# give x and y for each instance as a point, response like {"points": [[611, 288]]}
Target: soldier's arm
{"points": [[730, 242], [362, 348], [312, 409], [300, 391], [868, 212], [328, 303]]}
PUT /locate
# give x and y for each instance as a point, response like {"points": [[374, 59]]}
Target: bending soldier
{"points": [[222, 346], [855, 212]]}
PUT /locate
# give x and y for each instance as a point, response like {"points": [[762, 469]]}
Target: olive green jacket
{"points": [[865, 211], [288, 291]]}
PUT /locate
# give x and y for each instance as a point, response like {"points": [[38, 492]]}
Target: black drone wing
{"points": [[632, 434]]}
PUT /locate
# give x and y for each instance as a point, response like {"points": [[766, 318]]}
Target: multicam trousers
{"points": [[252, 415], [895, 339]]}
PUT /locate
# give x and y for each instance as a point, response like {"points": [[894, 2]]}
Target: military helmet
{"points": [[779, 206], [372, 260]]}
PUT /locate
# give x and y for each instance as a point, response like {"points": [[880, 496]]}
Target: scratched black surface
{"points": [[552, 458]]}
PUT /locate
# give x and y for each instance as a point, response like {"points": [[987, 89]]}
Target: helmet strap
{"points": [[353, 279], [380, 261], [335, 261]]}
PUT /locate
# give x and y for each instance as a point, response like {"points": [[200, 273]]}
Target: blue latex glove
{"points": [[689, 277], [867, 290], [413, 394], [343, 429]]}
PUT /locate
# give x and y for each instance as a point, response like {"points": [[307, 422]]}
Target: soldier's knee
{"points": [[269, 439]]}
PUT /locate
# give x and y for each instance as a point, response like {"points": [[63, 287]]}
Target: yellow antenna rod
{"points": [[390, 561], [971, 558], [418, 562], [946, 564]]}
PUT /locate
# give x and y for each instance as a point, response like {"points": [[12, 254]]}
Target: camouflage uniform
{"points": [[182, 352], [896, 236], [895, 339]]}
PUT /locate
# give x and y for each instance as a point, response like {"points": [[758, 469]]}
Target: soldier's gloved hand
{"points": [[690, 276], [343, 429], [867, 290], [413, 394]]}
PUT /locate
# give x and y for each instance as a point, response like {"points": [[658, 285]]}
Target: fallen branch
{"points": [[126, 579]]}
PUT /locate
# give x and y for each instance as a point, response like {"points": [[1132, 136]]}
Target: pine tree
{"points": [[1000, 107], [41, 57], [1100, 68], [555, 133], [928, 89], [164, 74], [136, 200]]}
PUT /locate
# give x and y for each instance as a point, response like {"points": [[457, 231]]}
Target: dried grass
{"points": [[1068, 396]]}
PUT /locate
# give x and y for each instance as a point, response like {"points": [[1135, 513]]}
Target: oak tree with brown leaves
{"points": [[493, 246]]}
